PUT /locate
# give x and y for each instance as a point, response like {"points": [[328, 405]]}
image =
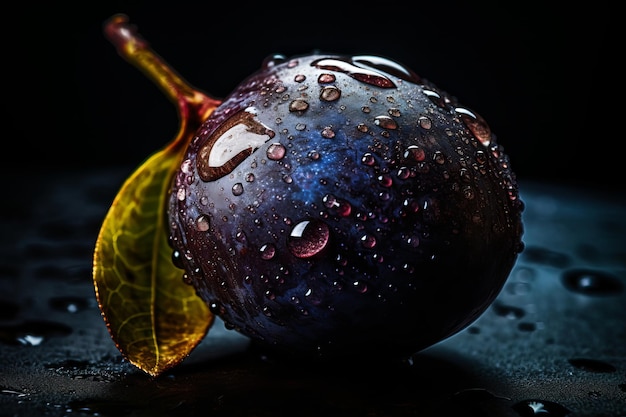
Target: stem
{"points": [[193, 105]]}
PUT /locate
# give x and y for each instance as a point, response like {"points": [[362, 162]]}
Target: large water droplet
{"points": [[364, 75], [388, 66], [308, 238], [231, 143]]}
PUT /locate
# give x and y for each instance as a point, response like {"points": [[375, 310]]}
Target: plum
{"points": [[339, 206]]}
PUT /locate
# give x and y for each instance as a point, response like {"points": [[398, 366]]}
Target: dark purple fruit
{"points": [[341, 205]]}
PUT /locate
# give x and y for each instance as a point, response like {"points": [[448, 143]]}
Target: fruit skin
{"points": [[414, 213]]}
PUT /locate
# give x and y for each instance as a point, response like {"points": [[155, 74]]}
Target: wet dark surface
{"points": [[553, 343]]}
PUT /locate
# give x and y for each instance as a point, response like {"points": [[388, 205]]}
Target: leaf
{"points": [[154, 318]]}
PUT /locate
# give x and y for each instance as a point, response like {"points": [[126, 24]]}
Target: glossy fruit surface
{"points": [[342, 205]]}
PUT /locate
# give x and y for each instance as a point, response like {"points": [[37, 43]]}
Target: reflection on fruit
{"points": [[342, 205]]}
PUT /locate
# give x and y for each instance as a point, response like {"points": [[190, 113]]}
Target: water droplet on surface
{"points": [[308, 238], [68, 304], [415, 153], [326, 78], [435, 98], [32, 333], [386, 122], [591, 282], [388, 66], [330, 93], [394, 112], [298, 105], [424, 122], [237, 189], [533, 407], [368, 159], [368, 241], [360, 286], [273, 60], [328, 133], [276, 151], [202, 223], [267, 251], [385, 180]]}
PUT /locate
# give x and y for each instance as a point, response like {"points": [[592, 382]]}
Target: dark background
{"points": [[543, 76]]}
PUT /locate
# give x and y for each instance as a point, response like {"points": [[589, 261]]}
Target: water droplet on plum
{"points": [[237, 189], [276, 151], [476, 124], [330, 93], [267, 251], [231, 143], [386, 122], [308, 238]]}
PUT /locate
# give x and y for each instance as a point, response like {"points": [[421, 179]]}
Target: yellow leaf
{"points": [[153, 316]]}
